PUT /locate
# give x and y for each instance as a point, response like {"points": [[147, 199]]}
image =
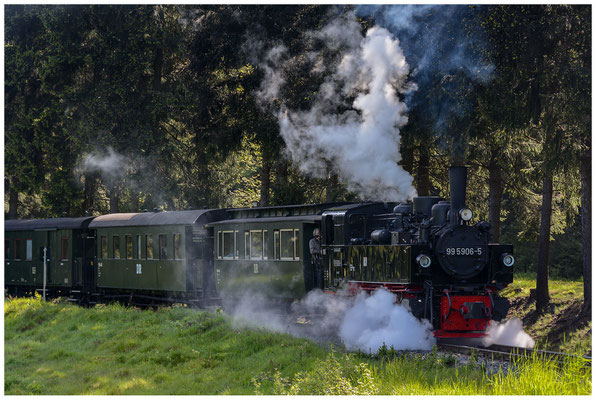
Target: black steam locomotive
{"points": [[426, 251]]}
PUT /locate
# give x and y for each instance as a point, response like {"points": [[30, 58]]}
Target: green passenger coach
{"points": [[266, 250], [69, 255], [153, 253]]}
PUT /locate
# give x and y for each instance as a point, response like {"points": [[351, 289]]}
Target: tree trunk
{"points": [[332, 187], [158, 55], [495, 196], [135, 202], [586, 210], [13, 200], [157, 68], [423, 176], [265, 183], [89, 193], [281, 181], [542, 295], [407, 154], [114, 201]]}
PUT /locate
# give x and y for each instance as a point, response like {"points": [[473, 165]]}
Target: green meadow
{"points": [[54, 348]]}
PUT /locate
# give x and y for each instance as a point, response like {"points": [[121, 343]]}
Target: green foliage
{"points": [[332, 376]]}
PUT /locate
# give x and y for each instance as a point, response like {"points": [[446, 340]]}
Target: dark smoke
{"points": [[444, 45]]}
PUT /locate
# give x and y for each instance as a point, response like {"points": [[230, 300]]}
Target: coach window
{"points": [[116, 247], [229, 245], [288, 244], [138, 247], [17, 249], [177, 246], [256, 244], [128, 239], [236, 244], [7, 249], [104, 247], [29, 250], [220, 244], [297, 244], [276, 244], [149, 247], [265, 238], [163, 247], [246, 245]]}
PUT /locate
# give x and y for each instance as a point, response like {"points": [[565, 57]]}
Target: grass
{"points": [[561, 327], [55, 348], [433, 375], [58, 348]]}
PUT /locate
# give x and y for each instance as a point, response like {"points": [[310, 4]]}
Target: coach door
{"points": [[197, 257], [88, 261], [45, 243]]}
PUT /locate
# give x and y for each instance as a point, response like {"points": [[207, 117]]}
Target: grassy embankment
{"points": [[562, 327], [57, 348]]}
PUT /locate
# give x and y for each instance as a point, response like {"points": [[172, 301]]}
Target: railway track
{"points": [[511, 353]]}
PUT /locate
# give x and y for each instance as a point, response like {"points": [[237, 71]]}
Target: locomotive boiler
{"points": [[428, 252]]}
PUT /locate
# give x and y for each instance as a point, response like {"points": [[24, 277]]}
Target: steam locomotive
{"points": [[428, 253], [425, 251]]}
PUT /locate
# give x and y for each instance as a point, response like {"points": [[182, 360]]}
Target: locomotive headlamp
{"points": [[465, 214], [507, 259], [423, 260]]}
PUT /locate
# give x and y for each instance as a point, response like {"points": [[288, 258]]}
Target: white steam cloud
{"points": [[110, 164], [376, 320], [362, 323], [120, 172], [509, 333], [360, 143]]}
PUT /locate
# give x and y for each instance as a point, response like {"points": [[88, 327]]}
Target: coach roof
{"points": [[46, 224], [188, 217]]}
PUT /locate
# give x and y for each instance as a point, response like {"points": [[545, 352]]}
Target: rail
{"points": [[514, 353]]}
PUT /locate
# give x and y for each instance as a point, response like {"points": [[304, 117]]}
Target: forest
{"points": [[128, 108]]}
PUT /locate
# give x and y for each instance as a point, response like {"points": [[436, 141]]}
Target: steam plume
{"points": [[140, 174], [360, 143], [361, 323], [111, 164], [376, 320], [509, 333]]}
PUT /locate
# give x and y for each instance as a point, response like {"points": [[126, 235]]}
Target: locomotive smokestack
{"points": [[458, 176]]}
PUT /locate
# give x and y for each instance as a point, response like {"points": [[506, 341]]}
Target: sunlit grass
{"points": [[428, 375], [566, 299], [58, 348]]}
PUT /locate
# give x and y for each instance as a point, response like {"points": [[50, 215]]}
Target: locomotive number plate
{"points": [[463, 251]]}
